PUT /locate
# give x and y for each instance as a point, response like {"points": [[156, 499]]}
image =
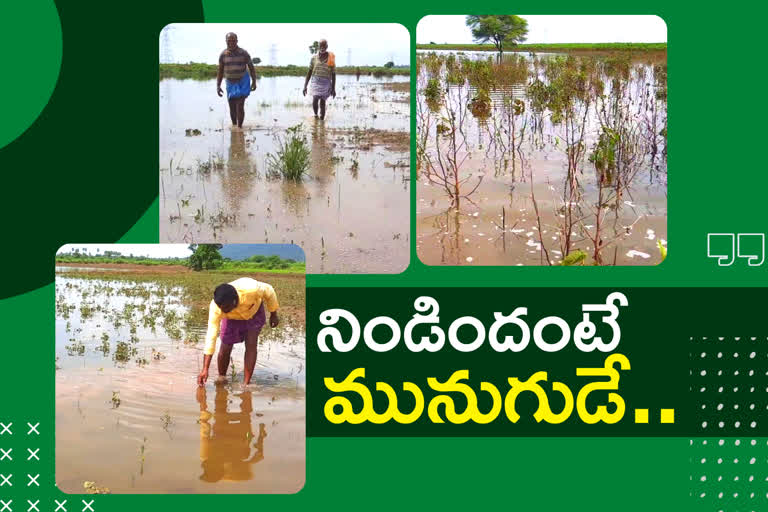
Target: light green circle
{"points": [[31, 49]]}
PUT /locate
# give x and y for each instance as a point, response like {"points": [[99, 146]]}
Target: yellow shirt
{"points": [[251, 293]]}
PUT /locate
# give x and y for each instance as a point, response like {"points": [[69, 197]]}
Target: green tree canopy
{"points": [[389, 64], [256, 61], [499, 30], [314, 47], [205, 257]]}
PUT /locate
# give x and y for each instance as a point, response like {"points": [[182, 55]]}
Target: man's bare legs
{"points": [[233, 111], [251, 351], [318, 102], [240, 111], [322, 108], [237, 111]]}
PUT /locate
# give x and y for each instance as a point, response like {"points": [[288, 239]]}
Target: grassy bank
{"points": [[198, 288], [264, 264], [117, 260], [247, 266], [199, 71], [554, 47]]}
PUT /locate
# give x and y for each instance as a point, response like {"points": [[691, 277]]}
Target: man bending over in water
{"points": [[232, 64], [238, 309]]}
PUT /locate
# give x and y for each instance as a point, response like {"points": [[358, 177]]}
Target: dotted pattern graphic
{"points": [[729, 389]]}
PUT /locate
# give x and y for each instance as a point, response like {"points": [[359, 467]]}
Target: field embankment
{"points": [[200, 71], [179, 265], [552, 47]]}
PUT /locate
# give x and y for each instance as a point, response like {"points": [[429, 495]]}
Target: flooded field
{"points": [[541, 159], [130, 417], [350, 213]]}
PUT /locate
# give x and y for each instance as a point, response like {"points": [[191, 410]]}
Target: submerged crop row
{"points": [[603, 120], [108, 312]]}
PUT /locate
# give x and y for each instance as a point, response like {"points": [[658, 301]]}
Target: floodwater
{"points": [[495, 221], [351, 212], [130, 417]]}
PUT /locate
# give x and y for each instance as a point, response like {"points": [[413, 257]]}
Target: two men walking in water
{"points": [[236, 66]]}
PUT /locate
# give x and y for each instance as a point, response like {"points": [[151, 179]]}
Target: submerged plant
{"points": [[77, 348], [481, 105], [433, 93], [166, 421], [92, 488], [291, 161], [577, 257], [104, 347], [123, 352], [604, 155]]}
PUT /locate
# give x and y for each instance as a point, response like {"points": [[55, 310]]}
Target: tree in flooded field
{"points": [[499, 30], [314, 47], [205, 257]]}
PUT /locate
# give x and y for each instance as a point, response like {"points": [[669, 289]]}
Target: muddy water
{"points": [[498, 224], [350, 214], [130, 417]]}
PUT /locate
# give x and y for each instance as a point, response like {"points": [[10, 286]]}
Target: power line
{"points": [[166, 52]]}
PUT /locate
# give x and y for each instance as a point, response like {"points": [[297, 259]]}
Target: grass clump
{"points": [[291, 161]]}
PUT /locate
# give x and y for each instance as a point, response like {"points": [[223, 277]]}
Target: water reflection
{"points": [[227, 446], [295, 197], [235, 202], [448, 226], [240, 176], [321, 156]]}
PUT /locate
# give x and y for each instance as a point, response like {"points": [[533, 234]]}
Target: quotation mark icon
{"points": [[726, 247]]}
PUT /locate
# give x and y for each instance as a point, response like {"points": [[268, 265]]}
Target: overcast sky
{"points": [[555, 29], [356, 44]]}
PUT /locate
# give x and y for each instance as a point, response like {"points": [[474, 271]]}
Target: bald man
{"points": [[233, 64], [322, 71]]}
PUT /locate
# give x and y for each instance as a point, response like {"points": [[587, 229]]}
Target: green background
{"points": [[78, 147]]}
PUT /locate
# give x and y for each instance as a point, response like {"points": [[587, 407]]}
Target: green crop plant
{"points": [[292, 158]]}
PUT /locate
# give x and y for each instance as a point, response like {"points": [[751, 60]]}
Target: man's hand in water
{"points": [[219, 92], [333, 93], [202, 378], [253, 86], [304, 92], [273, 320]]}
